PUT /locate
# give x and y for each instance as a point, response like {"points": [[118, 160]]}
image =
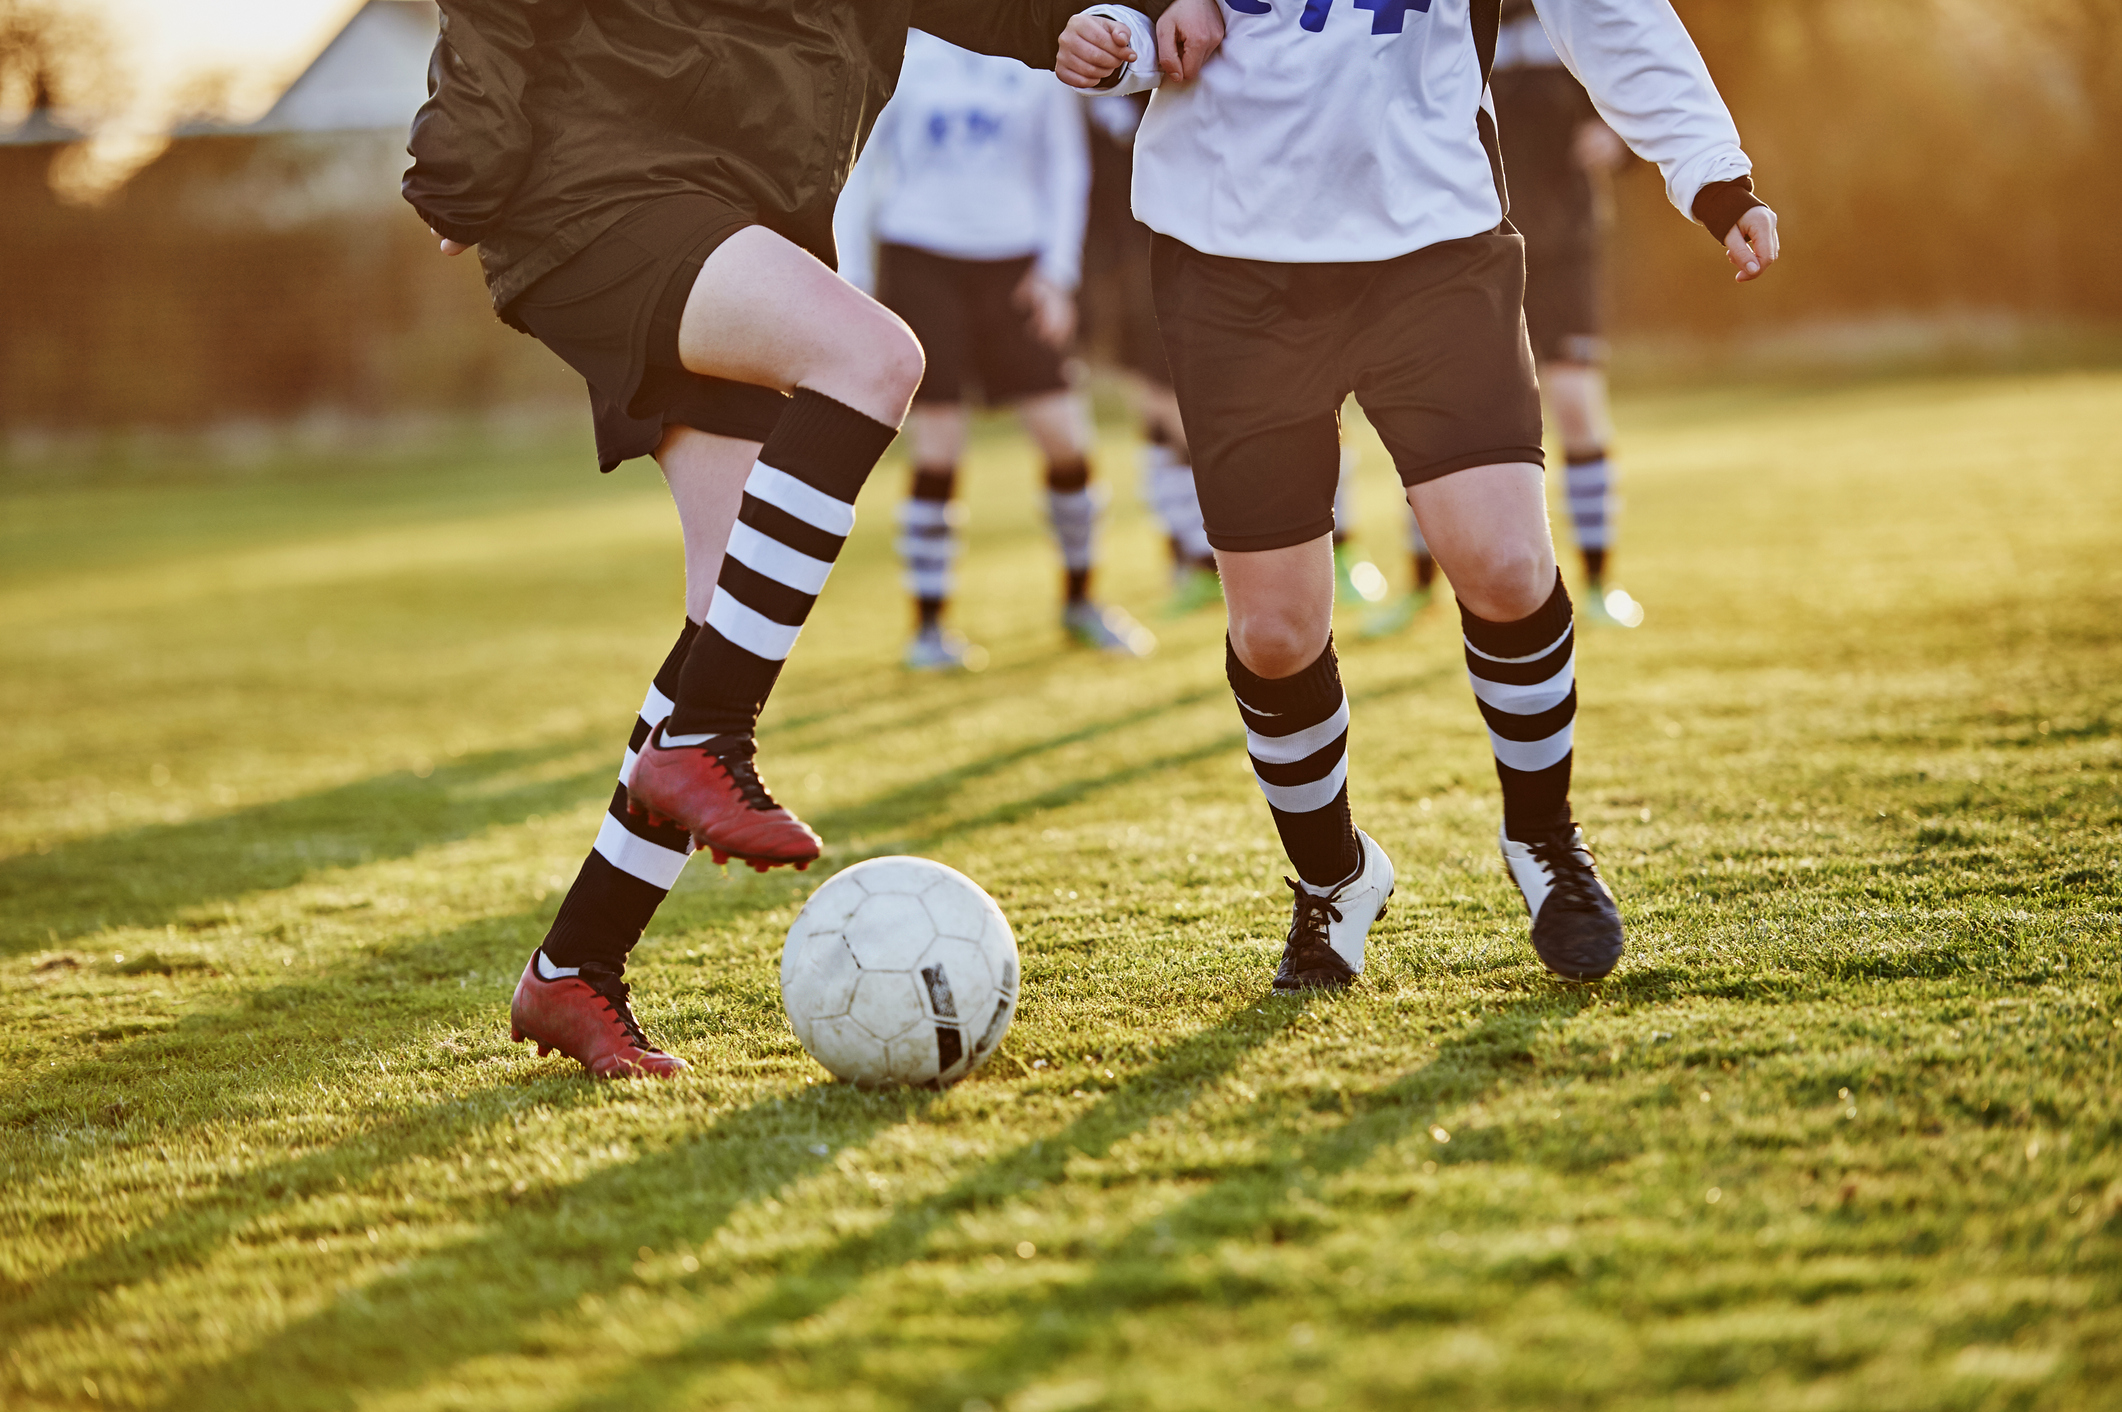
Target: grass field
{"points": [[299, 759]]}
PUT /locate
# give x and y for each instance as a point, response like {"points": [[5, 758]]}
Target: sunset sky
{"points": [[170, 50]]}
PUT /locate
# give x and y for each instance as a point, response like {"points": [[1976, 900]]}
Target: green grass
{"points": [[298, 762]]}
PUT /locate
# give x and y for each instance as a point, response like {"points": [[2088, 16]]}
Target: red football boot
{"points": [[721, 801], [586, 1017]]}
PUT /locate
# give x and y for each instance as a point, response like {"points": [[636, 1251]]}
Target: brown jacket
{"points": [[549, 119]]}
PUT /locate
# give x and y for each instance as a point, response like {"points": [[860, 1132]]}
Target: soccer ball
{"points": [[900, 971]]}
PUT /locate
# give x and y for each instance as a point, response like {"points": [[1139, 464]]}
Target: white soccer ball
{"points": [[900, 971]]}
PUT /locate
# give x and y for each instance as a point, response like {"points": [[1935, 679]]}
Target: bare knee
{"points": [[1275, 645], [877, 365], [1508, 579]]}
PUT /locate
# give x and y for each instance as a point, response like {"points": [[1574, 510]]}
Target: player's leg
{"points": [[1168, 487], [1262, 411], [1356, 579], [1450, 387], [928, 540], [1059, 425], [763, 311], [1576, 396], [572, 996], [1487, 526]]}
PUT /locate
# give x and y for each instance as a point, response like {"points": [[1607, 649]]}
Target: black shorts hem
{"points": [[611, 311], [980, 345], [1467, 460], [1278, 539]]}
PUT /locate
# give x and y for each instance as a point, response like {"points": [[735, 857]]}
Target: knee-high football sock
{"points": [[1168, 485], [1594, 507], [928, 540], [631, 866], [799, 505], [1296, 731], [1525, 679], [1072, 510]]}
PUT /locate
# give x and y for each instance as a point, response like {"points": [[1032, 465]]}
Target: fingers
{"points": [[1752, 245], [1189, 32], [1091, 48]]}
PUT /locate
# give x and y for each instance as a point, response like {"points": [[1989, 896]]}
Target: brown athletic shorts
{"points": [[612, 313], [1264, 353]]}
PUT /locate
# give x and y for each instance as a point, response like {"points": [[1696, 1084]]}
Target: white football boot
{"points": [[1576, 921], [1325, 947]]}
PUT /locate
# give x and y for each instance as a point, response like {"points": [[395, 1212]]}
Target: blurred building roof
{"points": [[372, 75]]}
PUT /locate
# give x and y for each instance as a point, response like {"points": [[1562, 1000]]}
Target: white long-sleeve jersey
{"points": [[974, 157], [1358, 130]]}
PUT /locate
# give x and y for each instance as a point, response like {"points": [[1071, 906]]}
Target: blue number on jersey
{"points": [[1387, 16]]}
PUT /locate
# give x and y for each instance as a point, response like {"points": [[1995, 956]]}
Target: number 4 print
{"points": [[1387, 16]]}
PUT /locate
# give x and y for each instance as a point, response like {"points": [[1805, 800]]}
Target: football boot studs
{"points": [[1326, 933], [719, 798], [1576, 922], [586, 1017]]}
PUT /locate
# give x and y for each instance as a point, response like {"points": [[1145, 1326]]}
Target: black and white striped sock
{"points": [[1072, 511], [1296, 731], [632, 865], [799, 506], [1525, 680], [928, 538], [1594, 505]]}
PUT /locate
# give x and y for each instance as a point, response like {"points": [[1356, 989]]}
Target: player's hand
{"points": [[1751, 245], [1052, 309], [1189, 32], [449, 247], [1091, 48], [1597, 147]]}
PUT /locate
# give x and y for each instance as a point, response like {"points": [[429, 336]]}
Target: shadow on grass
{"points": [[560, 1246], [148, 876], [214, 1066], [1146, 1266]]}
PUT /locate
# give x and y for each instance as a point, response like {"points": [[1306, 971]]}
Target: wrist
{"points": [[1719, 204]]}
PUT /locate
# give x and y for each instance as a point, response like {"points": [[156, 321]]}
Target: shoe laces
{"points": [[614, 991], [1570, 870], [743, 772], [1308, 941]]}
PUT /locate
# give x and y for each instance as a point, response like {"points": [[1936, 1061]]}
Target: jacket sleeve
{"points": [[1028, 31], [1065, 170], [471, 141], [1648, 81]]}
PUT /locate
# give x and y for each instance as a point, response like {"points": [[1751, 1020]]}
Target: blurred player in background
{"points": [[1121, 324], [1556, 155], [965, 217]]}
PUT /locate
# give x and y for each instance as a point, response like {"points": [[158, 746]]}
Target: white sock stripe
{"points": [[626, 767], [806, 502], [925, 513], [655, 707], [917, 550], [1531, 699], [1304, 798], [1533, 754], [751, 630], [637, 857], [1289, 749], [1528, 657], [766, 555]]}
